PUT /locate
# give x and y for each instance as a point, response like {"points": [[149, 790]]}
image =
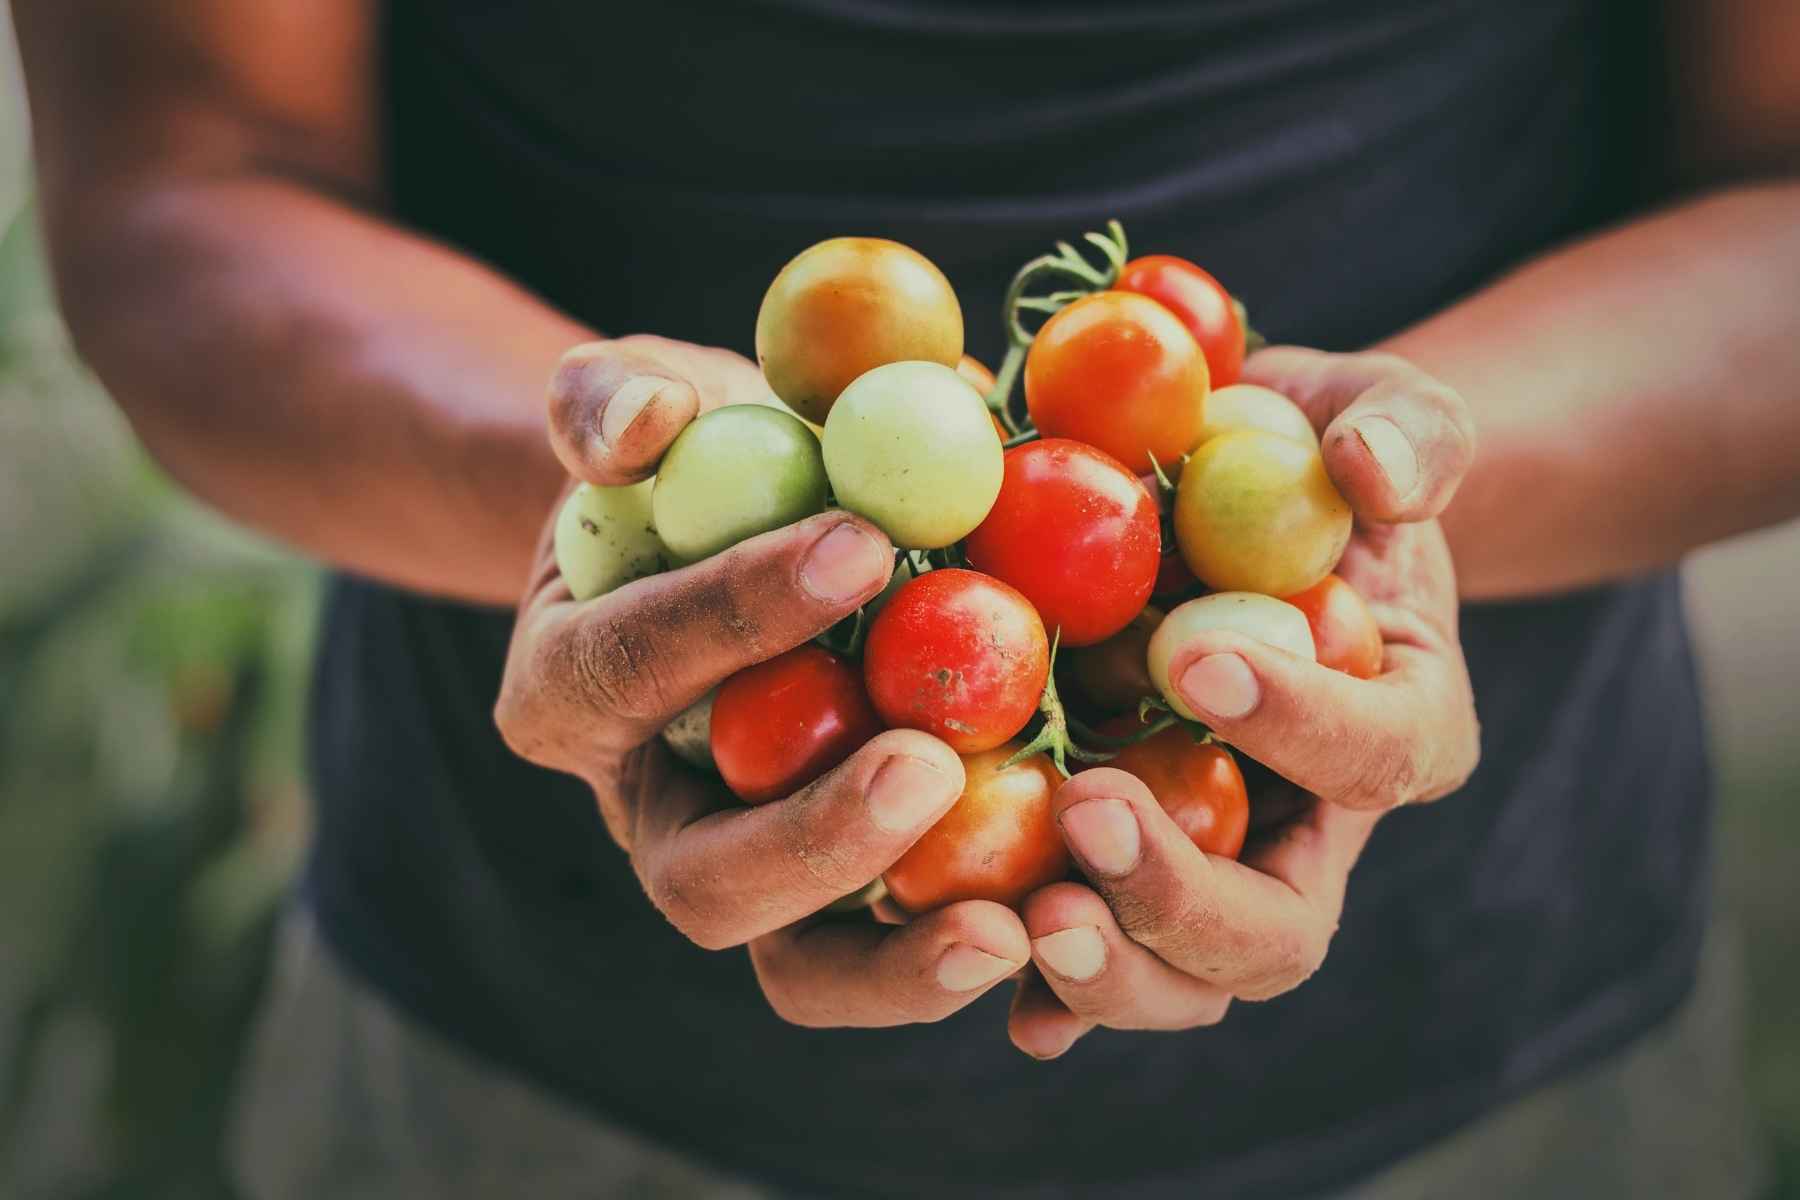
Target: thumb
{"points": [[613, 413], [1397, 442]]}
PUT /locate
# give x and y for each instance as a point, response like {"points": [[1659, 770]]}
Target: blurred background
{"points": [[153, 664]]}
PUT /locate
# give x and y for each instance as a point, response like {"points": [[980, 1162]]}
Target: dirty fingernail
{"points": [[1104, 833], [906, 792], [1076, 954], [627, 404], [1393, 453], [1222, 685], [844, 564], [963, 968]]}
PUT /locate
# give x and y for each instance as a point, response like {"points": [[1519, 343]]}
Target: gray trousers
{"points": [[344, 1097]]}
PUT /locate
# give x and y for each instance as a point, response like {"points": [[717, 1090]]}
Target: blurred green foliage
{"points": [[152, 666]]}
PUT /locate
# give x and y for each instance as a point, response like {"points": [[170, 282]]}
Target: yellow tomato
{"points": [[1256, 512]]}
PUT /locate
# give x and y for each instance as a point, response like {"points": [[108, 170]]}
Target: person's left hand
{"points": [[1167, 936]]}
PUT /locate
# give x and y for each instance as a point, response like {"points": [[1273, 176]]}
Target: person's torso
{"points": [[1347, 168]]}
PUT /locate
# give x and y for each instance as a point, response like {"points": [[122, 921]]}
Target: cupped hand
{"points": [[1163, 936], [588, 685]]}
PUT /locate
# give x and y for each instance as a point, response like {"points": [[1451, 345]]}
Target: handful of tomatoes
{"points": [[1139, 495]]}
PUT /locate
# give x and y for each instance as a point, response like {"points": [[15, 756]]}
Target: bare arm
{"points": [[1638, 394], [209, 173]]}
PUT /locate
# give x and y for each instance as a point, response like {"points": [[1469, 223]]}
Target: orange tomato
{"points": [[998, 842], [1120, 372], [1197, 783], [846, 306], [1343, 628]]}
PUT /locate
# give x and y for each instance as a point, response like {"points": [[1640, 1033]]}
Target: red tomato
{"points": [[998, 842], [1119, 371], [1343, 628], [781, 724], [1201, 302], [959, 655], [1197, 783], [1173, 579], [1076, 533]]}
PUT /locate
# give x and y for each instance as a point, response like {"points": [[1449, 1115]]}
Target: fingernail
{"points": [[1104, 832], [1393, 453], [845, 564], [1220, 684], [963, 968], [906, 792], [1076, 954], [627, 404]]}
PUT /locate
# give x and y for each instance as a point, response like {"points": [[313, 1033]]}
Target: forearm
{"points": [[1637, 395], [317, 373]]}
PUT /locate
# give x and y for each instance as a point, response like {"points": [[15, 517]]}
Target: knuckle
{"points": [[613, 663], [822, 864], [680, 898], [1294, 955]]}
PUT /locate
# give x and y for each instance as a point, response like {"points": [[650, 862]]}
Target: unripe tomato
{"points": [[781, 724], [1343, 628], [911, 447], [1076, 533], [688, 735], [733, 473], [959, 655], [998, 842], [1247, 406], [605, 537], [1201, 302], [1119, 371], [845, 306], [1197, 783], [1262, 617], [1256, 512]]}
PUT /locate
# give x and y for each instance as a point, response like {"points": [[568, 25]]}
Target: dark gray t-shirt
{"points": [[1348, 167]]}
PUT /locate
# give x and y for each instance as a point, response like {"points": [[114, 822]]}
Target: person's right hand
{"points": [[588, 686]]}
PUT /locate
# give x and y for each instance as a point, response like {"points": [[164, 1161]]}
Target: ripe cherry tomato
{"points": [[848, 305], [998, 842], [1114, 675], [1119, 371], [781, 724], [1075, 532], [959, 655], [1256, 512], [1173, 579], [1343, 628], [1197, 783], [1201, 302]]}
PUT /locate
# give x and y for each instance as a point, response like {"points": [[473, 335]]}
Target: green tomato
{"points": [[605, 538], [911, 447], [1250, 613], [736, 472], [689, 734]]}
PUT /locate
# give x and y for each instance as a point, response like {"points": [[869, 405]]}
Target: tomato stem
{"points": [[1253, 341], [1067, 263]]}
